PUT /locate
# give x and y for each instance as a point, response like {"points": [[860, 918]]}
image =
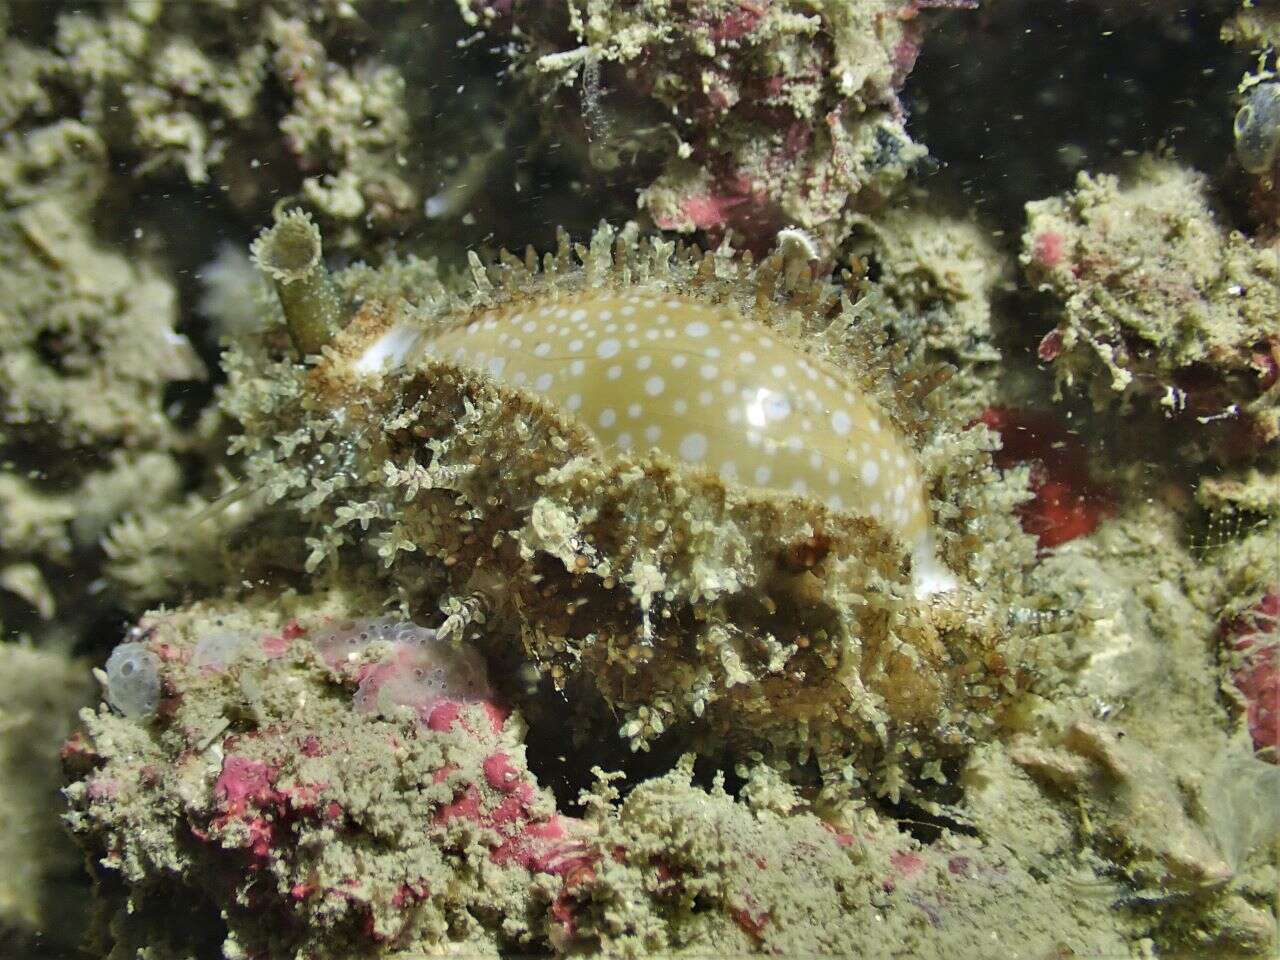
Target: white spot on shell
{"points": [[693, 447]]}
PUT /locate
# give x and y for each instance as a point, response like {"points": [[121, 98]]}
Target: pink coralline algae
{"points": [[1047, 250], [735, 202], [530, 837], [736, 24], [258, 801], [277, 644], [243, 783], [1253, 643], [1067, 503], [255, 805], [437, 681], [1266, 363]]}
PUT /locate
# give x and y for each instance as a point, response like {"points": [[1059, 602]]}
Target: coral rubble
{"points": [[263, 793], [89, 349]]}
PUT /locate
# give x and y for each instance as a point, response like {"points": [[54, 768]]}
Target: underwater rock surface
{"points": [[847, 528], [266, 794]]}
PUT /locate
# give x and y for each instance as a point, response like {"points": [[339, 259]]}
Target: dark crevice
{"points": [[1015, 101], [921, 824]]}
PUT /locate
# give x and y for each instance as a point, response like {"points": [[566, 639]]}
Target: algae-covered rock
{"points": [[756, 116], [1161, 305], [88, 349], [191, 88], [1130, 735], [88, 338], [314, 811], [937, 273], [306, 790], [335, 104]]}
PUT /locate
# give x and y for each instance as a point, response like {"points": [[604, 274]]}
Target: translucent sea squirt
{"points": [[132, 679]]}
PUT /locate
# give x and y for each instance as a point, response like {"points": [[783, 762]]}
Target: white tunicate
{"points": [[217, 651], [347, 637], [133, 680], [413, 669]]}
